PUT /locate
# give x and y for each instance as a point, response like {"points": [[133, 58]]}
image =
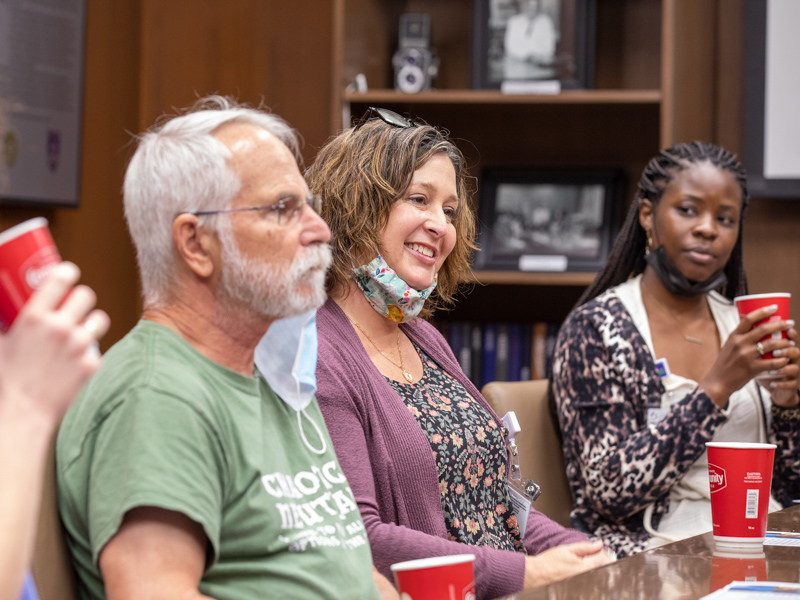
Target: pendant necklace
{"points": [[665, 310], [408, 377]]}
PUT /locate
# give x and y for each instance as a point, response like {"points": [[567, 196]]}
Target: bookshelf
{"points": [[654, 86]]}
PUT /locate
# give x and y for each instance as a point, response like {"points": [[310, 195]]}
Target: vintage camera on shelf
{"points": [[415, 62]]}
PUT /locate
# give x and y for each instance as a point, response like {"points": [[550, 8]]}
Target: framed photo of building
{"points": [[525, 41], [547, 220]]}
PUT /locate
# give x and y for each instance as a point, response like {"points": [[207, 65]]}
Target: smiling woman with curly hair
{"points": [[421, 448]]}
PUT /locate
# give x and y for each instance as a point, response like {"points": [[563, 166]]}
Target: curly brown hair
{"points": [[361, 172]]}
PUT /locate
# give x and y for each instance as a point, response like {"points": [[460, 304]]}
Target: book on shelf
{"points": [[489, 371], [500, 351], [501, 359], [538, 351], [525, 353], [514, 352], [476, 344]]}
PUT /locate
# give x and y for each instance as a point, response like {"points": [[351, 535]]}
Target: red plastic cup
{"points": [[437, 578], [27, 252], [747, 304], [740, 478], [734, 566]]}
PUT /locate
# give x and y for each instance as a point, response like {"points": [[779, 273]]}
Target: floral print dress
{"points": [[470, 455]]}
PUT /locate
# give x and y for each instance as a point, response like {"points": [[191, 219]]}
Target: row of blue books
{"points": [[501, 351]]}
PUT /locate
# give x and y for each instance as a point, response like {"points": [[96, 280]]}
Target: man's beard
{"points": [[270, 290]]}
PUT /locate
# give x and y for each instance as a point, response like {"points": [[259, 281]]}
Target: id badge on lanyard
{"points": [[656, 413], [522, 492]]}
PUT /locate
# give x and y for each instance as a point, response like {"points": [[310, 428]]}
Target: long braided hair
{"points": [[626, 258]]}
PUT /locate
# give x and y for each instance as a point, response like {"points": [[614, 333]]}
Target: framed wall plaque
{"points": [[41, 96]]}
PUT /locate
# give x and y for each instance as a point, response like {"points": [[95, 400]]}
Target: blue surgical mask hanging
{"points": [[287, 358]]}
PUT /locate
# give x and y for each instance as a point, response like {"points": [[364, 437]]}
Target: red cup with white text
{"points": [[740, 478], [747, 304], [437, 578], [27, 252]]}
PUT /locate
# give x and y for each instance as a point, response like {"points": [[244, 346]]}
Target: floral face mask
{"points": [[387, 293]]}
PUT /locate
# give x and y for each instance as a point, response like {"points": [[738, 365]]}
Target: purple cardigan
{"points": [[387, 458]]}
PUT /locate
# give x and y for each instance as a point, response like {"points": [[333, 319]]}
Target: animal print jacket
{"points": [[604, 379]]}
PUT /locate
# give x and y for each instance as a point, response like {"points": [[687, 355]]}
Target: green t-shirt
{"points": [[161, 425]]}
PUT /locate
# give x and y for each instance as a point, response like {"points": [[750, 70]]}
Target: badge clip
{"points": [[528, 488]]}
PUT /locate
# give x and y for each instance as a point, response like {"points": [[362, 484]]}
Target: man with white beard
{"points": [[181, 472]]}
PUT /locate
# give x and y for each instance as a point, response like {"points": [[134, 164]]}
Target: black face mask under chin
{"points": [[675, 281]]}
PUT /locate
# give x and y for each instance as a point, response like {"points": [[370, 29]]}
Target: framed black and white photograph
{"points": [[520, 42], [547, 220]]}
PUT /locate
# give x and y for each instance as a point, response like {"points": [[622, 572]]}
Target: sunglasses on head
{"points": [[387, 116]]}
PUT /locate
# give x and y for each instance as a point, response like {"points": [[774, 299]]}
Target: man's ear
{"points": [[197, 246]]}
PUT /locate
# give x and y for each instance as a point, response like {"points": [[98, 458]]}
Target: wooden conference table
{"points": [[685, 570]]}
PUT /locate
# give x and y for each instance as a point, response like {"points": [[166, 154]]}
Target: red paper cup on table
{"points": [[740, 478], [747, 304], [27, 252], [437, 578], [737, 566]]}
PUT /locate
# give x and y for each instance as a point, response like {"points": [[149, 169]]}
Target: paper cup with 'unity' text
{"points": [[27, 252], [747, 304], [740, 478], [437, 578]]}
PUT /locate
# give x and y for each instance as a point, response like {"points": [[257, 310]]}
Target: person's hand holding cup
{"points": [[51, 323], [779, 342]]}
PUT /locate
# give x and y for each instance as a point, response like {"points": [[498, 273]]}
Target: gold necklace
{"points": [[666, 311], [408, 377]]}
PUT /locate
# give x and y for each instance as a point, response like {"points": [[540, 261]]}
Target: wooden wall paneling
{"points": [[729, 70], [254, 50], [687, 70], [192, 49], [95, 237], [302, 71], [370, 34], [337, 66], [772, 248], [628, 48]]}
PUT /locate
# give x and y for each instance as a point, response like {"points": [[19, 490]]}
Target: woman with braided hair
{"points": [[653, 363]]}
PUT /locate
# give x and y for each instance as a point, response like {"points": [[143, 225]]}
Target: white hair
{"points": [[180, 166]]}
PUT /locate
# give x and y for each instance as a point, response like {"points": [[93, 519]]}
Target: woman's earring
{"points": [[649, 245]]}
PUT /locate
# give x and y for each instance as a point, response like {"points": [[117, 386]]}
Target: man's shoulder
{"points": [[150, 362], [150, 355]]}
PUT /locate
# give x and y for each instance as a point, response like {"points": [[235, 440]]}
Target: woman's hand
{"points": [[784, 383], [740, 360], [50, 350], [564, 561]]}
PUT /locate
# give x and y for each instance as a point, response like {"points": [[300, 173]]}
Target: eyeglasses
{"points": [[285, 211], [387, 116]]}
